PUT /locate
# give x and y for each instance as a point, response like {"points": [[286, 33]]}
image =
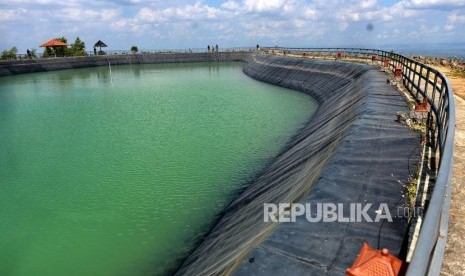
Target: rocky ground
{"points": [[451, 63]]}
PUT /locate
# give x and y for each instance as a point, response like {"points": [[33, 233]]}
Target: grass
{"points": [[457, 73], [418, 127], [412, 191]]}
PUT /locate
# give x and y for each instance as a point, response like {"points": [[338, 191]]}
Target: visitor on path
{"points": [[208, 48], [95, 51]]}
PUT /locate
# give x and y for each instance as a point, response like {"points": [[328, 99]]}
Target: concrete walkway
{"points": [[454, 263]]}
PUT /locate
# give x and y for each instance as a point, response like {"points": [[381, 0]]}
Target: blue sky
{"points": [[156, 24]]}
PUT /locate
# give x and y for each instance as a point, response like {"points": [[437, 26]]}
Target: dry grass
{"points": [[456, 78]]}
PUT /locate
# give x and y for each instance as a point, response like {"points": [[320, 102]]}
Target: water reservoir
{"points": [[122, 171]]}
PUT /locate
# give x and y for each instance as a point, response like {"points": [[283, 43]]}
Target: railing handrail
{"points": [[429, 250]]}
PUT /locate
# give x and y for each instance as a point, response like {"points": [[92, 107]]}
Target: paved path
{"points": [[454, 260]]}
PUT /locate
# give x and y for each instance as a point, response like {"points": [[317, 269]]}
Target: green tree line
{"points": [[9, 54], [78, 48]]}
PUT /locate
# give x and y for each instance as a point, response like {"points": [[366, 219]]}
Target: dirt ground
{"points": [[454, 259], [457, 80]]}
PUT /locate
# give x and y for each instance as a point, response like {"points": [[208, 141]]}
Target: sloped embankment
{"points": [[340, 88]]}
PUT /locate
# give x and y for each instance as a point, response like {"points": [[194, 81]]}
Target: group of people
{"points": [[212, 48], [215, 48]]}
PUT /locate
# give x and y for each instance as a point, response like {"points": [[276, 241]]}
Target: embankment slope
{"points": [[346, 153]]}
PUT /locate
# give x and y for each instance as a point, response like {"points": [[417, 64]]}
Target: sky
{"points": [[183, 24]]}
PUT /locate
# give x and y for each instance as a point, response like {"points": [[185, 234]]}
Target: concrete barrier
{"points": [[15, 67]]}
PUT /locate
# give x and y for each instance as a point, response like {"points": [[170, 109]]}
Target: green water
{"points": [[121, 174]]}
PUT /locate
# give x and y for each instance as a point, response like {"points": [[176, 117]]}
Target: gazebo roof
{"points": [[54, 43], [100, 44]]}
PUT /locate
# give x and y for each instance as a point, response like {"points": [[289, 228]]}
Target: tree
{"points": [[49, 52], [62, 39], [78, 48], [61, 51], [9, 54], [134, 49]]}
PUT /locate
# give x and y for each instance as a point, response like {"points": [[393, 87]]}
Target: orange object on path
{"points": [[386, 62], [373, 262], [423, 107], [398, 72]]}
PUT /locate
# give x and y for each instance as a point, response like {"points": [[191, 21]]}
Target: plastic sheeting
{"points": [[346, 153]]}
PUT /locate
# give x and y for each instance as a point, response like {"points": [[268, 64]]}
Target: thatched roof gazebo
{"points": [[100, 44]]}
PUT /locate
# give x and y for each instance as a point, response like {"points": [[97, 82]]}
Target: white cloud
{"points": [[76, 14], [453, 19], [456, 18], [309, 13], [368, 4], [54, 3], [449, 27], [109, 14], [264, 5], [230, 5], [239, 22], [428, 3], [445, 5], [197, 11], [11, 14], [120, 24], [396, 12], [149, 15]]}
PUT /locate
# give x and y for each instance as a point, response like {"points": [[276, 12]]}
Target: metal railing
{"points": [[422, 82]]}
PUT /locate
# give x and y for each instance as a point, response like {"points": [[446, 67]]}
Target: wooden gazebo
{"points": [[100, 44], [54, 43]]}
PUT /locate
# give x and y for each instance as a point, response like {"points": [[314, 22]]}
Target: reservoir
{"points": [[121, 170]]}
